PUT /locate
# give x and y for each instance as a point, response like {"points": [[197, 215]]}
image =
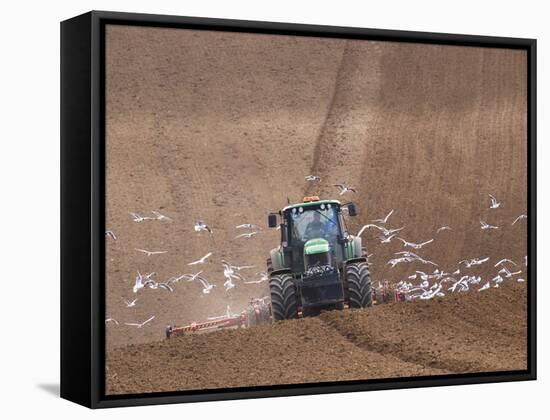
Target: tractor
{"points": [[318, 264]]}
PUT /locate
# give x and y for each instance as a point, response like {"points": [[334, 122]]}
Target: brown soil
{"points": [[474, 332], [223, 127]]}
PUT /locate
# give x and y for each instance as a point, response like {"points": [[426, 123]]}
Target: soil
{"points": [[473, 332], [223, 127]]}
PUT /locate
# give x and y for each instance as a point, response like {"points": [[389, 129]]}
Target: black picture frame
{"points": [[83, 207]]}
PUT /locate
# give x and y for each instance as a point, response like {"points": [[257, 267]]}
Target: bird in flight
{"points": [[207, 287], [247, 226], [442, 228], [263, 277], [246, 235], [520, 217], [485, 225], [504, 261], [110, 234], [484, 287], [385, 219], [111, 320], [160, 216], [229, 271], [386, 239], [406, 256], [313, 178], [201, 226], [228, 284], [149, 253], [236, 267], [138, 219], [135, 324], [187, 277], [130, 304], [140, 284], [344, 188], [494, 203], [413, 245], [201, 260], [386, 232], [508, 273], [165, 286], [474, 261]]}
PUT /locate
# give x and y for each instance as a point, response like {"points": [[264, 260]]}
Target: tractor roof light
{"points": [[311, 198]]}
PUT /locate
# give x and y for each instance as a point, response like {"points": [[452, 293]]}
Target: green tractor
{"points": [[318, 264]]}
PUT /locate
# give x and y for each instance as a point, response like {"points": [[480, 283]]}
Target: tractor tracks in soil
{"points": [[471, 332], [456, 334]]}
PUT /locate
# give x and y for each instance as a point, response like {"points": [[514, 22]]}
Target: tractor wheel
{"points": [[359, 287], [269, 266], [283, 297]]}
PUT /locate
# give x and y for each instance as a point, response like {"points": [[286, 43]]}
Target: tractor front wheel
{"points": [[283, 297], [359, 285]]}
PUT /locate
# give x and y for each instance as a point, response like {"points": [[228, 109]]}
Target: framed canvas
{"points": [[254, 209]]}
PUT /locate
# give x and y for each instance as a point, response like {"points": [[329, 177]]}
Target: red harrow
{"points": [[257, 312]]}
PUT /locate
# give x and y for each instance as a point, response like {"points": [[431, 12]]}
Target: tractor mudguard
{"points": [[276, 257], [357, 244]]}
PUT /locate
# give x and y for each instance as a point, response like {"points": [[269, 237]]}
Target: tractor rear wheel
{"points": [[283, 297], [359, 285]]}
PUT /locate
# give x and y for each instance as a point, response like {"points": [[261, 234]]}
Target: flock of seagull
{"points": [[443, 282], [231, 272], [435, 284]]}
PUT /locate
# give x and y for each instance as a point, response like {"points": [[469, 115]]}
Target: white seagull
{"points": [[201, 226], [160, 216], [135, 324], [344, 188], [484, 225], [508, 273], [503, 261], [385, 219], [140, 284], [386, 239], [442, 228], [201, 260], [494, 203], [187, 277], [207, 287], [263, 277], [520, 217], [313, 178], [246, 235], [484, 287], [228, 284], [130, 304], [229, 271], [247, 226], [386, 232], [137, 218], [413, 245], [474, 261], [111, 320], [165, 286], [110, 234], [149, 253]]}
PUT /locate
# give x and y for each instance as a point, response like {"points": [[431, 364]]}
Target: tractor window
{"points": [[314, 223]]}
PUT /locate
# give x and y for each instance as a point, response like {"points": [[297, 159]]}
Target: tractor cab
{"points": [[312, 232]]}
